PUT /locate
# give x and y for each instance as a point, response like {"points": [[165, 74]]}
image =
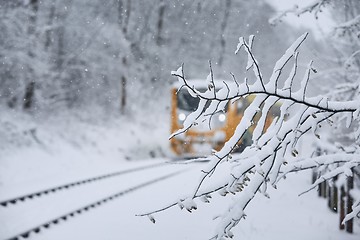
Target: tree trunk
{"points": [[60, 47], [160, 23], [123, 20], [49, 31], [222, 31], [34, 7], [123, 89], [126, 17], [29, 93]]}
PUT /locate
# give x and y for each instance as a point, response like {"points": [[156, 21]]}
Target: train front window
{"points": [[186, 102]]}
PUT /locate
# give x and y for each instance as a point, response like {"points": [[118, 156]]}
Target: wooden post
{"points": [[349, 203], [313, 176], [335, 200], [319, 190], [333, 196], [323, 190], [342, 207], [325, 186], [329, 197]]}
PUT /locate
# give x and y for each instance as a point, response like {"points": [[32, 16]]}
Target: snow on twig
{"points": [[266, 160]]}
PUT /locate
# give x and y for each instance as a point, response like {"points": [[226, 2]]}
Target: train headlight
{"points": [[222, 117], [181, 117], [218, 120]]}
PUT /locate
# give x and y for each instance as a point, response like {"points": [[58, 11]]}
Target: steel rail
{"points": [[67, 186], [37, 229]]}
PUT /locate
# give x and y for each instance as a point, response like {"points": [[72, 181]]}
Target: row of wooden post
{"points": [[339, 200]]}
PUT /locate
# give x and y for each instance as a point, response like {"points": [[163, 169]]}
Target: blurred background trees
{"points": [[117, 55]]}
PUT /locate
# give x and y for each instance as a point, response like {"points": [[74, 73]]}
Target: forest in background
{"points": [[116, 56]]}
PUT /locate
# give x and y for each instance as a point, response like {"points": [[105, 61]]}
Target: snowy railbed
{"points": [[42, 149], [72, 149]]}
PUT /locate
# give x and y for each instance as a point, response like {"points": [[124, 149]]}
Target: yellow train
{"points": [[200, 140]]}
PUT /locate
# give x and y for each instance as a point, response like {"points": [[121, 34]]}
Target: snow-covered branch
{"points": [[345, 41], [352, 23], [314, 7], [264, 162]]}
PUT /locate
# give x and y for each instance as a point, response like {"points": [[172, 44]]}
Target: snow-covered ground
{"points": [[284, 217], [36, 154]]}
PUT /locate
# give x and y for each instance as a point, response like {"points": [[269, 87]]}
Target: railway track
{"points": [[55, 189], [72, 190], [67, 216]]}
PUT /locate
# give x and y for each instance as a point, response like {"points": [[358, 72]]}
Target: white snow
{"points": [[284, 216], [95, 149]]}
